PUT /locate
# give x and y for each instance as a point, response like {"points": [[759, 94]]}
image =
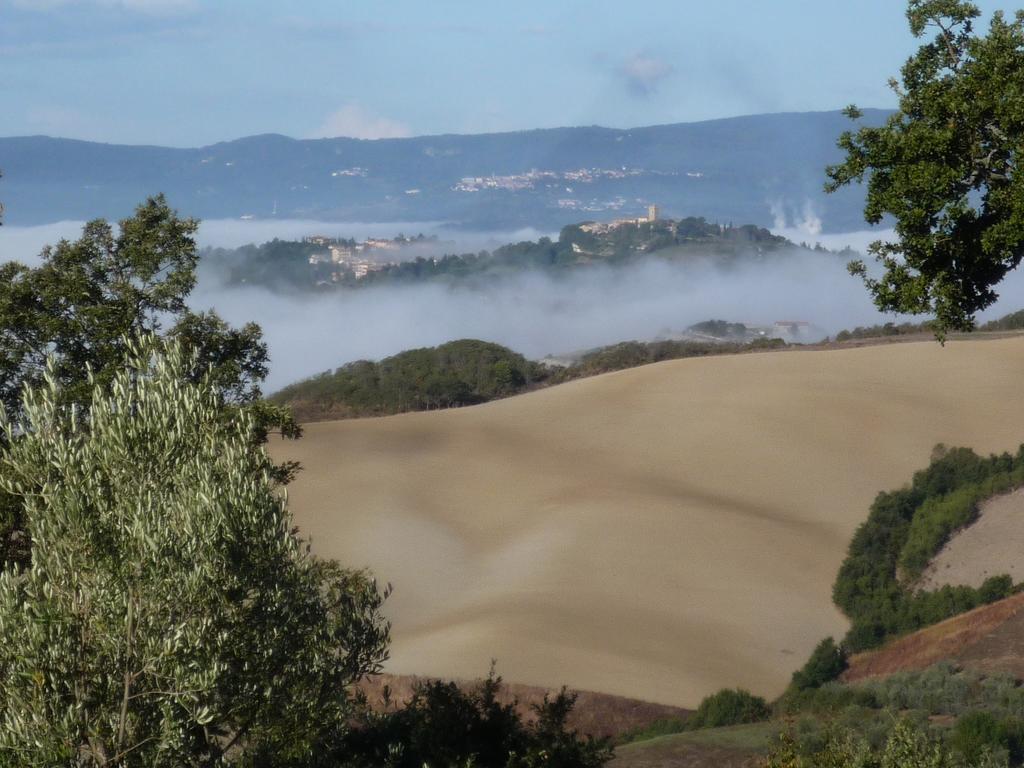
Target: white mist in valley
{"points": [[538, 314], [534, 313]]}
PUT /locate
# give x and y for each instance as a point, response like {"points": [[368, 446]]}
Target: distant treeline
{"points": [[631, 354], [877, 584], [285, 265], [884, 330], [1012, 322], [468, 372]]}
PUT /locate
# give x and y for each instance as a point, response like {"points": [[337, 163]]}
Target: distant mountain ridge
{"points": [[747, 169]]}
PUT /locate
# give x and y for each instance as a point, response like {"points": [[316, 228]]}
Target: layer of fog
{"points": [[25, 243], [539, 315], [533, 313]]}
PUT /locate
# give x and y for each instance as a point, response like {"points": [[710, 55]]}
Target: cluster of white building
{"points": [[361, 258], [600, 227], [533, 177]]}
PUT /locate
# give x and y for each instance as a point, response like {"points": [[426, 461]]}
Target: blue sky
{"points": [[192, 72]]}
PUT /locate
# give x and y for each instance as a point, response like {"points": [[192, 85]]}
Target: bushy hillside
{"points": [[458, 373], [300, 265], [470, 372], [876, 586]]}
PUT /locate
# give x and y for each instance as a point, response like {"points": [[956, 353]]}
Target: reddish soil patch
{"points": [[595, 714], [990, 639]]}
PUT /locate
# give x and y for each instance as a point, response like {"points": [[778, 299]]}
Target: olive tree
{"points": [[171, 616], [944, 167], [88, 297]]}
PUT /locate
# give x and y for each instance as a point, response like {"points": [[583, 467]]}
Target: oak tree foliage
{"points": [[944, 167]]}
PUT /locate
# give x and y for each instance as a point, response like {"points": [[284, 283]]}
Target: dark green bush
{"points": [[829, 698], [904, 531], [729, 707], [827, 663], [444, 725], [980, 731]]}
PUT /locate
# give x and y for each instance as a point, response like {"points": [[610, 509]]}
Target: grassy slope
{"points": [[660, 532], [735, 747]]}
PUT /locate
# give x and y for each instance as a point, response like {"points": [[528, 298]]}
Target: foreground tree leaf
{"points": [[945, 168], [170, 617]]}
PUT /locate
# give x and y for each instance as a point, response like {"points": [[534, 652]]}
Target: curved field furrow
{"points": [[659, 532]]}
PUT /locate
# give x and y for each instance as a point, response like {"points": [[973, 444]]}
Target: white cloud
{"points": [[643, 73], [356, 122]]}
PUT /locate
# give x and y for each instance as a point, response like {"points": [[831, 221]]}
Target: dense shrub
{"points": [[979, 732], [829, 698], [444, 725], [907, 745], [989, 712], [939, 517], [729, 707], [171, 616], [904, 530], [826, 664]]}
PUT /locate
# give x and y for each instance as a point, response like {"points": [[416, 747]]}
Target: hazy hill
{"points": [[290, 266], [731, 169], [660, 532]]}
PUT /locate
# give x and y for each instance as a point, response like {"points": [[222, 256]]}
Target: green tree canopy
{"points": [[944, 167], [827, 662], [171, 616], [729, 707], [87, 297]]}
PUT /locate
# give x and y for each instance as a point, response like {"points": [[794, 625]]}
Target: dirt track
{"points": [[659, 532]]}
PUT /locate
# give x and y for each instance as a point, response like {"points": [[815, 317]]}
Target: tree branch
{"points": [[127, 674]]}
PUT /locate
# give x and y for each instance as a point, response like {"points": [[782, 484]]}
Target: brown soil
{"points": [[989, 639], [660, 532]]}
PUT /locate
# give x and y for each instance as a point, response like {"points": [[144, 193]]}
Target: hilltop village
{"points": [[318, 262]]}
